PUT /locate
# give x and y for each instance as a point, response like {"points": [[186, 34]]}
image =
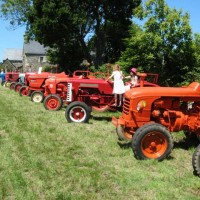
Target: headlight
{"points": [[142, 104]]}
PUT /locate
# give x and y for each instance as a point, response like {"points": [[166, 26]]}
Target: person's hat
{"points": [[134, 70]]}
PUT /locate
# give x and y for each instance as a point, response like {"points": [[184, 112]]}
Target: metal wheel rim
{"points": [[17, 88], [24, 92], [52, 103], [154, 144], [77, 114], [37, 98]]}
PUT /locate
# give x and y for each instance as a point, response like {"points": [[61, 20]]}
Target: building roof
{"points": [[13, 54], [34, 47]]}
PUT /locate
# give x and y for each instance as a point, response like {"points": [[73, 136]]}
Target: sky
{"points": [[13, 39]]}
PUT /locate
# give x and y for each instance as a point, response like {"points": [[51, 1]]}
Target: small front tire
{"points": [[77, 112], [37, 96], [53, 102], [17, 87], [24, 91], [153, 141]]}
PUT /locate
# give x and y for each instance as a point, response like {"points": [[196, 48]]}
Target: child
{"points": [[118, 88], [134, 79]]}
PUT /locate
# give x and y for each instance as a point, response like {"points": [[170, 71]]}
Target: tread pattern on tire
{"points": [[137, 137], [87, 109], [196, 161]]}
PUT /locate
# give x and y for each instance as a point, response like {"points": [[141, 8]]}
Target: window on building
{"points": [[42, 59]]}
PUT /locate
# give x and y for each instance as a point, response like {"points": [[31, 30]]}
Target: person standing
{"points": [[2, 71], [118, 88]]}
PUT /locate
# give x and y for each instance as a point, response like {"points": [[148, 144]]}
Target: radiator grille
{"points": [[69, 92], [126, 106]]}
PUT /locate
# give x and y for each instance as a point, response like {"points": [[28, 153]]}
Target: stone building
{"points": [[34, 56], [12, 60]]}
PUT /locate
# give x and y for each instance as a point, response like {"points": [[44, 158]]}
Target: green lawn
{"points": [[44, 157]]}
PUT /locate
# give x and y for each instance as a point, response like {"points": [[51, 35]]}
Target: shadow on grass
{"points": [[101, 118], [186, 143]]}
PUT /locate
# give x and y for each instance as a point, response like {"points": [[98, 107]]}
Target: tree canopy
{"points": [[76, 29], [163, 45], [104, 32]]}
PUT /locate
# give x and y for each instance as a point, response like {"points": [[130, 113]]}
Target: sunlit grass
{"points": [[44, 157]]}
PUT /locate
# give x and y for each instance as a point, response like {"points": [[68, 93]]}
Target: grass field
{"points": [[44, 157]]}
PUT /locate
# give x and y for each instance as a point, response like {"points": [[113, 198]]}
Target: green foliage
{"points": [[15, 10], [68, 26], [196, 43], [163, 45]]}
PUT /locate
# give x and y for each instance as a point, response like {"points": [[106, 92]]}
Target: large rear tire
{"points": [[153, 141], [196, 161], [53, 102], [37, 96], [77, 112]]}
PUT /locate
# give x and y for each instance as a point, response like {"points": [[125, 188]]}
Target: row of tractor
{"points": [[149, 112]]}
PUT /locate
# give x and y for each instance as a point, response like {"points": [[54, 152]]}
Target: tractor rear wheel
{"points": [[196, 161], [101, 108], [53, 102], [152, 141], [12, 85], [77, 112], [17, 87], [24, 91], [37, 96]]}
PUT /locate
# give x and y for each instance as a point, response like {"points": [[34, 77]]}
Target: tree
{"points": [[60, 22], [164, 45]]}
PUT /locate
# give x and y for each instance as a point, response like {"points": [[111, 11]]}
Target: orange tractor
{"points": [[150, 114]]}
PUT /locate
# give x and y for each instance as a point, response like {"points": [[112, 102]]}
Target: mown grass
{"points": [[44, 157]]}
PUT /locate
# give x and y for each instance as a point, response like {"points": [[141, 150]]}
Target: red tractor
{"points": [[17, 85], [196, 161], [12, 77], [83, 87], [150, 114], [34, 85], [82, 94]]}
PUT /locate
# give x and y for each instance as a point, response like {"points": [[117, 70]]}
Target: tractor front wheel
{"points": [[53, 102], [24, 91], [7, 84], [196, 161], [124, 134], [12, 85], [17, 87], [77, 112], [152, 141], [37, 96]]}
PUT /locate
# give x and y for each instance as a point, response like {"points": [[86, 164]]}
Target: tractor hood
{"points": [[193, 90]]}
